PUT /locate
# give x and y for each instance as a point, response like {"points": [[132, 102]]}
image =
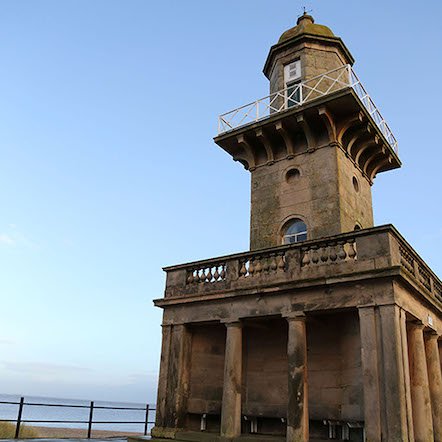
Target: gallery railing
{"points": [[304, 92], [90, 422]]}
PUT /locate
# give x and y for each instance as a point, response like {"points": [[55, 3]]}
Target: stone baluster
{"points": [[216, 274], [273, 263], [333, 255], [266, 264], [196, 276], [305, 257], [223, 271], [324, 253], [342, 254], [351, 249], [203, 276], [281, 262], [315, 256]]}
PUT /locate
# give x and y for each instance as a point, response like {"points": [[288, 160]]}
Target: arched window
{"points": [[294, 231]]}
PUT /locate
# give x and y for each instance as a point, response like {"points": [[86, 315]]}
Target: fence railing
{"points": [[91, 407], [304, 92]]}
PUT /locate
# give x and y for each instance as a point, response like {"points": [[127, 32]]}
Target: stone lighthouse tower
{"points": [[314, 162], [328, 327]]}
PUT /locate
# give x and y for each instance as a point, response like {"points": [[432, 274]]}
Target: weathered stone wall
{"points": [[207, 369], [265, 368], [355, 200], [334, 367], [323, 196], [312, 197]]}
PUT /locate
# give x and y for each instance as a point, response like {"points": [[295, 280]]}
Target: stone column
{"points": [[177, 384], [231, 406], [420, 391], [370, 374], [406, 361], [393, 400], [160, 418], [435, 382], [297, 413]]}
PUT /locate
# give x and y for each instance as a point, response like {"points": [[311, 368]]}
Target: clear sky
{"points": [[109, 172]]}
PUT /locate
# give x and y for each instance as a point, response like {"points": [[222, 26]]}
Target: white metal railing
{"points": [[304, 92]]}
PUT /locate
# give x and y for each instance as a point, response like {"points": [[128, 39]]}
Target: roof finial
{"points": [[305, 10], [305, 15]]}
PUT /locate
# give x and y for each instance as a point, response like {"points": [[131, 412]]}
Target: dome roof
{"points": [[306, 25]]}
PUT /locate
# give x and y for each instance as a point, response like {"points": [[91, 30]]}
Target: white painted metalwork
{"points": [[304, 92]]}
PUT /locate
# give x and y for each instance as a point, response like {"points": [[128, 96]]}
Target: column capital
{"points": [[172, 323], [232, 323], [432, 334], [365, 306], [295, 316], [416, 324]]}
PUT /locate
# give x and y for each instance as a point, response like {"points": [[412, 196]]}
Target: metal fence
{"points": [[90, 422], [304, 92]]}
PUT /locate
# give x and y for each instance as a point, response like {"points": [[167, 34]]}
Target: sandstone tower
{"points": [[329, 327]]}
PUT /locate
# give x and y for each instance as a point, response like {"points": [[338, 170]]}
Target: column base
{"points": [[296, 435], [165, 432]]}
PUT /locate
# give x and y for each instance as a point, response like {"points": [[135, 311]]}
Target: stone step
{"points": [[196, 436]]}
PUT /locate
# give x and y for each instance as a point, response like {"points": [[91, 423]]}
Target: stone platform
{"points": [[197, 436]]}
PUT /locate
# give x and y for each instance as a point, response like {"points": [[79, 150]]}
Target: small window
{"points": [[292, 71], [292, 81], [295, 231], [294, 94], [355, 184], [292, 176]]}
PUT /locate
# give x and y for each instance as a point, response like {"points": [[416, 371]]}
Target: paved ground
{"points": [[109, 439]]}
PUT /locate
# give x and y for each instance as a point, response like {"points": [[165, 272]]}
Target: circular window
{"points": [[292, 176], [355, 184]]}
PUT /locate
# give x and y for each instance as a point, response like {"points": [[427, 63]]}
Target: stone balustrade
{"points": [[207, 274], [437, 290], [413, 264], [329, 252], [378, 249], [256, 264]]}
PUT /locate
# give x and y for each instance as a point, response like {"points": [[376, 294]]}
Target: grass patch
{"points": [[7, 431]]}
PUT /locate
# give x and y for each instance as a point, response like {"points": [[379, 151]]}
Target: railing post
{"points": [[20, 411], [146, 420], [91, 415], [350, 80], [257, 110]]}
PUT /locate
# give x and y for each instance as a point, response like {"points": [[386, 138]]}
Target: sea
{"points": [[51, 409]]}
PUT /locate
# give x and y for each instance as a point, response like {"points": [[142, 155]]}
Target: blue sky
{"points": [[109, 172]]}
